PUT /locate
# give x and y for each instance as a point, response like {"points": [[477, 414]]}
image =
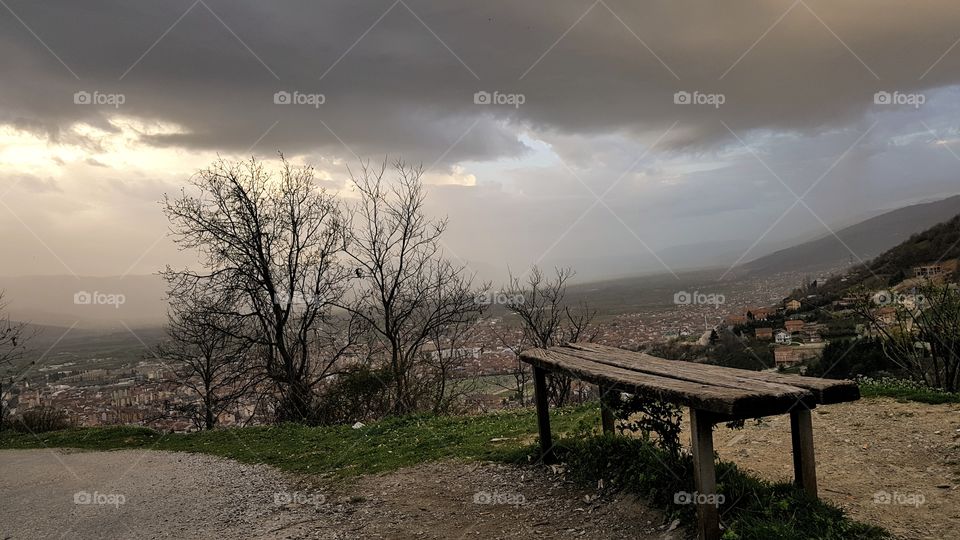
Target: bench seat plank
{"points": [[721, 400], [685, 371], [825, 391]]}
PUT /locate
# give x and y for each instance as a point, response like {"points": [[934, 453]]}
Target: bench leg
{"points": [[804, 463], [607, 419], [543, 413], [704, 475]]}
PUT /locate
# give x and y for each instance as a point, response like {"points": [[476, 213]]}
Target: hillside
{"points": [[866, 239], [938, 243]]}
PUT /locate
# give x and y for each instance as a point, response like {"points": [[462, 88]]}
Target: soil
{"points": [[884, 462]]}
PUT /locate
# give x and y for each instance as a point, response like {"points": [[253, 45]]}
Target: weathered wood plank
{"points": [[825, 391], [687, 371], [719, 399]]}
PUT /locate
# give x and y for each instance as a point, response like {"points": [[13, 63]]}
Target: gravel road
{"points": [[138, 494], [147, 494]]}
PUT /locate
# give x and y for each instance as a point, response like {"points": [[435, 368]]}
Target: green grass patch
{"points": [[337, 451], [905, 390]]}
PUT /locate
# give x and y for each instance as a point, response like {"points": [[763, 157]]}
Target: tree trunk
{"points": [[296, 404], [210, 420]]}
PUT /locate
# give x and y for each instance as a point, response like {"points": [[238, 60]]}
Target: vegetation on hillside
{"points": [[938, 243], [886, 324], [736, 349]]}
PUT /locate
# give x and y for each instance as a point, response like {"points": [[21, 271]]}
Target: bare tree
{"points": [[547, 319], [211, 360], [516, 343], [12, 339], [272, 243], [920, 331], [407, 291], [444, 365]]}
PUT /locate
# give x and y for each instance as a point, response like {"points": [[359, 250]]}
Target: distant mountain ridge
{"points": [[866, 239], [934, 245]]}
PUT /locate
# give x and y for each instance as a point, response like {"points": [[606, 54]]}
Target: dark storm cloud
{"points": [[400, 77]]}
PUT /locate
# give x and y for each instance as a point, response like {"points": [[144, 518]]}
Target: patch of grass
{"points": [[905, 390], [751, 509], [337, 451]]}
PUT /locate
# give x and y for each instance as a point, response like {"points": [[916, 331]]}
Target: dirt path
{"points": [[884, 462], [146, 494]]}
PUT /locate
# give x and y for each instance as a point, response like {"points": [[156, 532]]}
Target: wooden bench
{"points": [[714, 395]]}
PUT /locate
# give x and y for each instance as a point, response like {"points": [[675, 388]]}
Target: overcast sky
{"points": [[588, 160]]}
